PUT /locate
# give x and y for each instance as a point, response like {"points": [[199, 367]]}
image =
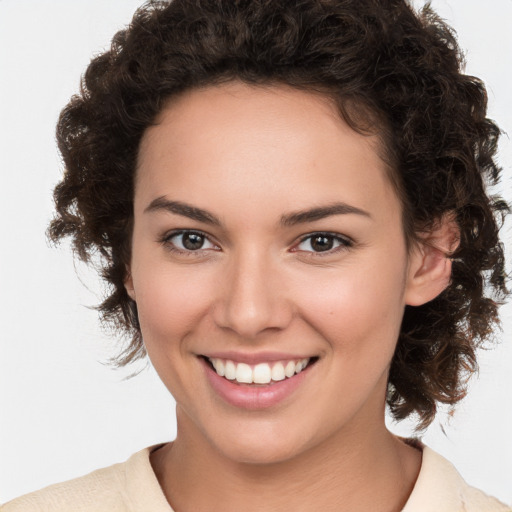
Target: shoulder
{"points": [[117, 488], [81, 494], [441, 488], [478, 501]]}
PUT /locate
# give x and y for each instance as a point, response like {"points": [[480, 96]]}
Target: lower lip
{"points": [[253, 396]]}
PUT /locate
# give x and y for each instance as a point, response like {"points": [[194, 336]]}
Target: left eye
{"points": [[322, 242], [190, 241]]}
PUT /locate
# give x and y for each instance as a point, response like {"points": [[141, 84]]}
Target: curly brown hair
{"points": [[401, 68]]}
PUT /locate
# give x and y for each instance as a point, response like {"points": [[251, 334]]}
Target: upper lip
{"points": [[256, 357]]}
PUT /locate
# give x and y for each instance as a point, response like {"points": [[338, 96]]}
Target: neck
{"points": [[349, 471]]}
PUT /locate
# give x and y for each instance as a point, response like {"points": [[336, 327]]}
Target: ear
{"points": [[430, 266], [128, 284]]}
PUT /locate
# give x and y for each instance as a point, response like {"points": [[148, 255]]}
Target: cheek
{"points": [[170, 300], [171, 303], [355, 308]]}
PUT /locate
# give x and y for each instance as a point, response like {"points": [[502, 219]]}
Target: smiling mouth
{"points": [[261, 373]]}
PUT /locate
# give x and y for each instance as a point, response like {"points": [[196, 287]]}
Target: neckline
{"points": [[164, 505]]}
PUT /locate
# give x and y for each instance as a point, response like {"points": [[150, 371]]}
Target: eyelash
{"points": [[166, 241], [344, 243]]}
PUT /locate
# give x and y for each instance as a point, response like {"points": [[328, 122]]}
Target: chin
{"points": [[261, 444], [260, 453]]}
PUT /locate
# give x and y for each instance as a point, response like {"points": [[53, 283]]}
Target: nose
{"points": [[252, 298]]}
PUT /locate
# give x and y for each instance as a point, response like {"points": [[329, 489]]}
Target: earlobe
{"points": [[430, 266], [128, 284]]}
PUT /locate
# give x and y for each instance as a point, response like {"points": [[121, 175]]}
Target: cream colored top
{"points": [[132, 486]]}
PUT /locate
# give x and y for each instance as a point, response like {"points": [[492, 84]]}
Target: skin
{"points": [[249, 156]]}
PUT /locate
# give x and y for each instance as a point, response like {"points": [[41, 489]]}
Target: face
{"points": [[267, 237]]}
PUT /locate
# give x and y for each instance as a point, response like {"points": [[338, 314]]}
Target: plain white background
{"points": [[62, 412]]}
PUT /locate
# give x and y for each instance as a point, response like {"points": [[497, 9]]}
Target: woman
{"points": [[289, 204]]}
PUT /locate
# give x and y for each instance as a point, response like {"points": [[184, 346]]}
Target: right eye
{"points": [[319, 244], [188, 241]]}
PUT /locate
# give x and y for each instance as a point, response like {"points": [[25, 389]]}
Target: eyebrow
{"points": [[183, 209], [288, 219], [312, 214]]}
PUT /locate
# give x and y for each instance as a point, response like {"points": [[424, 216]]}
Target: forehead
{"points": [[251, 139], [236, 108]]}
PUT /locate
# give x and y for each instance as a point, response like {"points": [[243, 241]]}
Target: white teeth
{"points": [[278, 372], [243, 373], [289, 369], [230, 370], [219, 367], [300, 365], [262, 373]]}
